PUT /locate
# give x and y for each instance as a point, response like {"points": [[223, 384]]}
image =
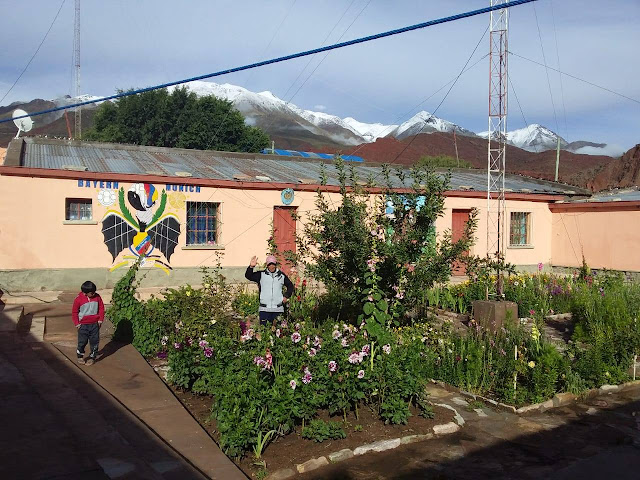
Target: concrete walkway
{"points": [[114, 419], [597, 439]]}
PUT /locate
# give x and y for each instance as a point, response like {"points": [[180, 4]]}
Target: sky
{"points": [[138, 43]]}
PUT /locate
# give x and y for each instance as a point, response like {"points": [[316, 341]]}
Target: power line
{"points": [[285, 58], [34, 53], [576, 78], [441, 101]]}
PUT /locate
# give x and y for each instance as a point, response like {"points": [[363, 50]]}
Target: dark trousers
{"points": [[88, 332], [268, 317]]}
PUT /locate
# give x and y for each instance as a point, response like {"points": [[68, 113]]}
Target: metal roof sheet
{"points": [[145, 160], [615, 195]]}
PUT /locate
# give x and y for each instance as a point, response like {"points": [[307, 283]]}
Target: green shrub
{"points": [[319, 431], [246, 303]]}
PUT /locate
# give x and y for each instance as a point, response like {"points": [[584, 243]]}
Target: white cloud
{"points": [[321, 108], [610, 150]]}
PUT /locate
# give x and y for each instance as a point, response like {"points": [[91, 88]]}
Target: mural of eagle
{"points": [[144, 231]]}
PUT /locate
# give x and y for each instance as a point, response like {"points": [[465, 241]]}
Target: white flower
{"points": [[293, 384], [386, 349], [295, 337], [336, 334], [344, 342], [164, 340], [361, 374]]}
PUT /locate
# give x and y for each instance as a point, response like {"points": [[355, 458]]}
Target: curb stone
{"points": [[340, 455], [312, 464], [458, 418], [379, 446], [445, 428]]}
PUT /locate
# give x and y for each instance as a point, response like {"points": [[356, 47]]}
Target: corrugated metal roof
{"points": [[142, 160], [616, 195]]}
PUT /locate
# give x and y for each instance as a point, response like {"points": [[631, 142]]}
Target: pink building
{"points": [[72, 211]]}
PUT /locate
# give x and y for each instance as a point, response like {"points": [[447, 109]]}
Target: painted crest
{"points": [[143, 232]]}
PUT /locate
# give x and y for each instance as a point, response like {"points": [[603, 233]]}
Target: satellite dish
{"points": [[24, 124]]}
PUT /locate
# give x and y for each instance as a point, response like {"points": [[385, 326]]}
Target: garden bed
{"points": [[292, 449]]}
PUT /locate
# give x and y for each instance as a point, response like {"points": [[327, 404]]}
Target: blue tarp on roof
{"points": [[296, 153]]}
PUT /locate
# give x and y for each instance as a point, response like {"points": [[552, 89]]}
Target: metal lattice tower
{"points": [[496, 150], [76, 64]]}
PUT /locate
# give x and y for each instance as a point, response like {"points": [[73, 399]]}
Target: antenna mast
{"points": [[496, 149], [76, 63]]}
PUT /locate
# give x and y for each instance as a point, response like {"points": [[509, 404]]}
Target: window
{"points": [[202, 223], [520, 233], [78, 209]]}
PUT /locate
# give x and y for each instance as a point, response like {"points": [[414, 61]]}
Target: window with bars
{"points": [[78, 209], [202, 223], [520, 232]]}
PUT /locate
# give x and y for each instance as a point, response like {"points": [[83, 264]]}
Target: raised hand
{"points": [[254, 261]]}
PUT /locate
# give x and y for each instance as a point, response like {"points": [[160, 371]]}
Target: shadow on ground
{"points": [[58, 423], [563, 444]]}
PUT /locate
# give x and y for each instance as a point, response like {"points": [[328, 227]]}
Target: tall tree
{"points": [[176, 119]]}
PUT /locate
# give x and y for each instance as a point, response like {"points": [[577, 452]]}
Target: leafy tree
{"points": [[177, 119], [442, 161], [382, 247]]}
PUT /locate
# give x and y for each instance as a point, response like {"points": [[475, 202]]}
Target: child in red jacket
{"points": [[88, 315]]}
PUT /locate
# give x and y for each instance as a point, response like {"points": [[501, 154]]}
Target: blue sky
{"points": [[136, 43]]}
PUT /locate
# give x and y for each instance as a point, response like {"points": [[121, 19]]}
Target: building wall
{"points": [[607, 239], [42, 251]]}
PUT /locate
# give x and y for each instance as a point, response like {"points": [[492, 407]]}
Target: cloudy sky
{"points": [[137, 43]]}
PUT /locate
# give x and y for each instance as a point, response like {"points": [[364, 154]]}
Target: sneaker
{"points": [[81, 360], [90, 361]]}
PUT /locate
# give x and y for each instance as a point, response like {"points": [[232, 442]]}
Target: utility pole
{"points": [[455, 143], [496, 146], [76, 63], [557, 158]]}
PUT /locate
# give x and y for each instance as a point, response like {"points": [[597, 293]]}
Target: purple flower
{"points": [[259, 361], [162, 355], [189, 341], [333, 366], [366, 349], [293, 384], [386, 349], [177, 345], [312, 352], [203, 343], [317, 341], [208, 352], [295, 337], [307, 377], [361, 374]]}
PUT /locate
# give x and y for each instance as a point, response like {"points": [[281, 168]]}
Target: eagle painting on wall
{"points": [[145, 231]]}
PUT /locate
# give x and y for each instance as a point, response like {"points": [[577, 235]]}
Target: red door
{"points": [[284, 226], [459, 220]]}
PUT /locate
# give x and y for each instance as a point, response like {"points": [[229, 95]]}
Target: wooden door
{"points": [[458, 222], [284, 226]]}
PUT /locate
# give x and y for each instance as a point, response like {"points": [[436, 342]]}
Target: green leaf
{"points": [[383, 305], [377, 296], [368, 308]]}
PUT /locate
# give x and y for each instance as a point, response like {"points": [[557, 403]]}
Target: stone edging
{"points": [[558, 400], [379, 446]]}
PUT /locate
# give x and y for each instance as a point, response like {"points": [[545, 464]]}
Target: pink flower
{"points": [[336, 334], [344, 342], [208, 352], [355, 357], [307, 377], [297, 326], [411, 268], [361, 374], [366, 349], [312, 352], [540, 266], [203, 343], [259, 361], [370, 298], [333, 366], [386, 349], [371, 265], [268, 358], [532, 312], [295, 337], [317, 341], [400, 295], [284, 324], [293, 384], [189, 341], [177, 345]]}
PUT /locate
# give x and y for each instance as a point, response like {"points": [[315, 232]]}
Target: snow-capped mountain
{"points": [[533, 138], [369, 131], [425, 122], [282, 118]]}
